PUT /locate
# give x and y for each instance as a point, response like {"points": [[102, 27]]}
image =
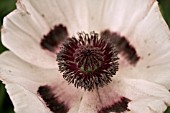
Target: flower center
{"points": [[88, 58], [88, 62]]}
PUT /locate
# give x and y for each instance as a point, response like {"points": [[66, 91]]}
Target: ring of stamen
{"points": [[88, 62]]}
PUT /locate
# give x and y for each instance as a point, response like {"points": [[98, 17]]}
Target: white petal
{"points": [[144, 97], [141, 91], [152, 42], [122, 16], [21, 35], [90, 103], [154, 105], [24, 101], [99, 99], [35, 16], [15, 70], [138, 86], [152, 36], [95, 14], [72, 13], [30, 78]]}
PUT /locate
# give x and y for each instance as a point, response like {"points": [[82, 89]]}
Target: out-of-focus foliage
{"points": [[165, 9], [7, 6]]}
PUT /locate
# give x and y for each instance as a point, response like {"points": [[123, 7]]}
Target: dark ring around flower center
{"points": [[88, 62]]}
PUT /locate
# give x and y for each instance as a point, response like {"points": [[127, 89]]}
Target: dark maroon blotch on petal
{"points": [[117, 107], [52, 40], [51, 100], [123, 46]]}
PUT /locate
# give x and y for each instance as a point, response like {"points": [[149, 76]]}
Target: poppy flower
{"points": [[86, 56]]}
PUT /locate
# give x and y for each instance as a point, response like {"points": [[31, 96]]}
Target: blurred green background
{"points": [[7, 6]]}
